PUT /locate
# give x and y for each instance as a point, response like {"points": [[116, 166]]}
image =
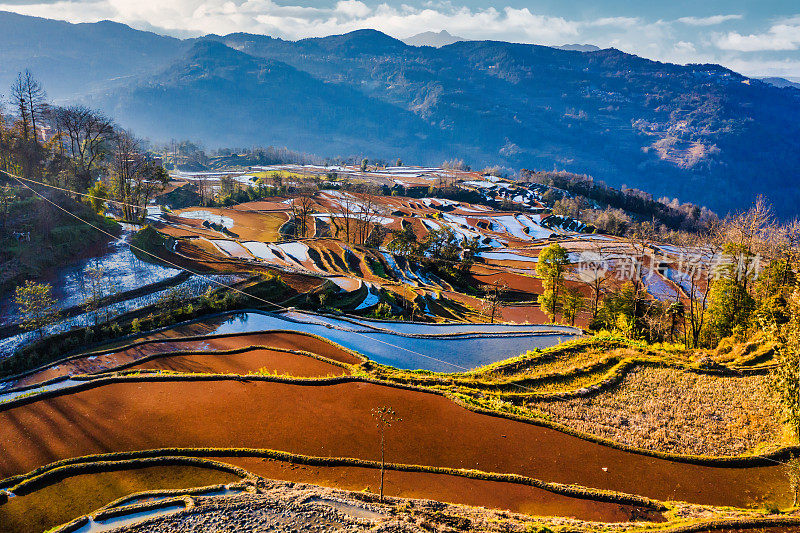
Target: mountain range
{"points": [[701, 133]]}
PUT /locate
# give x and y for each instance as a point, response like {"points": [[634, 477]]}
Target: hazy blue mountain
{"points": [[228, 98], [432, 38], [702, 133], [781, 82], [578, 47], [686, 131], [71, 58]]}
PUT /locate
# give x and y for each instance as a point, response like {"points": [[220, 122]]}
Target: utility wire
{"points": [[229, 287], [498, 268], [234, 289]]}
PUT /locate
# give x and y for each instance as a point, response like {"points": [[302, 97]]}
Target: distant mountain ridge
{"points": [[701, 133], [579, 47], [431, 38], [781, 82], [443, 38]]}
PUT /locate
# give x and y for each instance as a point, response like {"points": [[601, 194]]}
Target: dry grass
{"points": [[669, 410]]}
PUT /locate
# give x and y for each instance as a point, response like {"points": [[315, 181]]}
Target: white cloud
{"points": [[708, 21], [683, 40], [785, 68], [781, 36], [622, 22], [353, 8], [293, 22]]}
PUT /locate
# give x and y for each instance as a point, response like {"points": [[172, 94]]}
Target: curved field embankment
{"points": [[152, 345], [335, 421], [447, 488], [264, 360], [73, 496]]}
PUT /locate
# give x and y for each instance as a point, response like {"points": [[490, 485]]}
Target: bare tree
{"points": [[494, 293], [29, 98], [134, 179], [384, 418], [344, 209], [302, 208], [746, 235], [366, 214], [594, 272], [88, 134], [695, 273]]}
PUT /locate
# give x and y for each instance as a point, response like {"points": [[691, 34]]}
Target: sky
{"points": [[756, 38]]}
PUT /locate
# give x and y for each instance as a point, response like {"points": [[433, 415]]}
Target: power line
{"points": [[498, 268], [229, 287]]}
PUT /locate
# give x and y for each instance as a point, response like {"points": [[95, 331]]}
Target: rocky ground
{"points": [[290, 507], [280, 506]]}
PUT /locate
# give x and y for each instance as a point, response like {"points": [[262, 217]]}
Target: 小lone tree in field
{"points": [[550, 266], [384, 418], [37, 306], [494, 293]]}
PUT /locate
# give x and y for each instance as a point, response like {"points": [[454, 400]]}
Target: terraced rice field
{"points": [[335, 421], [447, 488], [273, 360], [64, 500]]}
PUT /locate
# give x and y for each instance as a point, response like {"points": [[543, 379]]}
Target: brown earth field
{"points": [[248, 225], [82, 494], [270, 361], [335, 420], [447, 488], [284, 340]]}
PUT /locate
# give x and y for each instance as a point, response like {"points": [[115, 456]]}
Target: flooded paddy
{"points": [[267, 361], [194, 286], [441, 348], [335, 420], [72, 284], [163, 345], [445, 488], [82, 494]]}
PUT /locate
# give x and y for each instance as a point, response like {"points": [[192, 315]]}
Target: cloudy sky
{"points": [[753, 37]]}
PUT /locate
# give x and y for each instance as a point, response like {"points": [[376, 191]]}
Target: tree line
{"points": [[76, 148], [729, 280]]}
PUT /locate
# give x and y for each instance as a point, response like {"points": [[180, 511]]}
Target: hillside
{"points": [[671, 130], [74, 58], [698, 132], [226, 97]]}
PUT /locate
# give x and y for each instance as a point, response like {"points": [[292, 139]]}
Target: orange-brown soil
{"points": [[445, 488], [335, 420], [270, 361], [280, 361], [78, 495]]}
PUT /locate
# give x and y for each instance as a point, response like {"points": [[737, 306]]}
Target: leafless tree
{"points": [[494, 293], [135, 179], [29, 98], [384, 418], [87, 136], [302, 208], [696, 255], [344, 209], [366, 214], [594, 272]]}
